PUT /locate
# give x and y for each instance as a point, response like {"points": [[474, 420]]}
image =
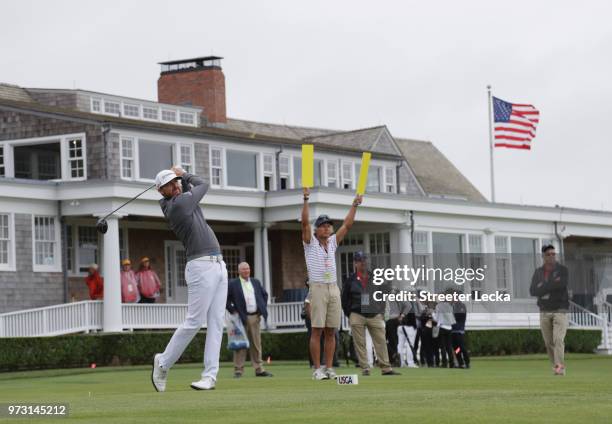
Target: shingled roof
{"points": [[436, 174], [14, 92]]}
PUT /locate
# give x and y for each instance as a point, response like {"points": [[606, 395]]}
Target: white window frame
{"points": [[10, 265], [109, 101], [161, 116], [221, 166], [91, 104], [268, 173], [57, 252], [62, 139], [258, 166], [130, 158], [193, 117], [189, 164], [336, 179], [287, 174], [144, 118], [138, 107], [389, 183], [351, 165]]}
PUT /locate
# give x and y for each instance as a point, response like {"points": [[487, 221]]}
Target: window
{"points": [[389, 180], [127, 157], [45, 242], [5, 241], [502, 262], [87, 248], [380, 250], [374, 178], [421, 253], [186, 161], [332, 173], [268, 170], [1, 161], [243, 166], [38, 161], [523, 265], [216, 167], [123, 243], [447, 253], [283, 169], [475, 258], [112, 107], [168, 115], [187, 118], [232, 256], [131, 110], [347, 175], [153, 156], [150, 113], [76, 161], [95, 105]]}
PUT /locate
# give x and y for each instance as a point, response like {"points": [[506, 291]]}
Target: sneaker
{"points": [[263, 374], [413, 366], [237, 375], [206, 383], [330, 373], [365, 372], [158, 375], [319, 374], [390, 372]]}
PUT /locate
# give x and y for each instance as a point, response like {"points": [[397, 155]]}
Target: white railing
{"points": [[86, 316], [583, 318], [606, 311]]}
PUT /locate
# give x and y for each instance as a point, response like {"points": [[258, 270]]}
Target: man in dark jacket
{"points": [[247, 298], [458, 334], [549, 284], [364, 312]]}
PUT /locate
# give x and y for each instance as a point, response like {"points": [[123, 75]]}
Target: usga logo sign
{"points": [[347, 379]]}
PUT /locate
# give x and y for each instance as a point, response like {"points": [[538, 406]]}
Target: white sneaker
{"points": [[158, 375], [330, 373], [319, 374], [413, 366], [206, 383]]}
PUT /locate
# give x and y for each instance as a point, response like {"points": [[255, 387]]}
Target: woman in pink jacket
{"points": [[129, 285], [148, 282]]}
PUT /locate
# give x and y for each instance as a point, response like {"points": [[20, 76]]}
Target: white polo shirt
{"points": [[321, 263]]}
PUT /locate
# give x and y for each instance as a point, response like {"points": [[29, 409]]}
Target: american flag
{"points": [[514, 125]]}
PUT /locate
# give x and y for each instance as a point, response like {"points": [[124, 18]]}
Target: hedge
{"points": [[137, 348]]}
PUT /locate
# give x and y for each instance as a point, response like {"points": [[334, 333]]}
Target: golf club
{"points": [[102, 226]]}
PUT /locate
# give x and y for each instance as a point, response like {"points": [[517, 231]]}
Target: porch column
{"points": [[404, 239], [257, 253], [112, 317], [490, 283], [266, 260]]}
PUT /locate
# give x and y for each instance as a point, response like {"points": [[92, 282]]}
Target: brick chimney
{"points": [[195, 82]]}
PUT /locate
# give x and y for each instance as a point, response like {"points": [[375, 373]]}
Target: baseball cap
{"points": [[323, 219], [359, 257], [144, 259], [164, 177], [126, 262]]}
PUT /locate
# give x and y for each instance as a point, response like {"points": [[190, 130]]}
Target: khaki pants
{"points": [[554, 326], [254, 336], [376, 327]]}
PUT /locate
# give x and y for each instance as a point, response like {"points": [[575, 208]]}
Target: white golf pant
{"points": [[403, 348], [369, 348], [206, 299]]}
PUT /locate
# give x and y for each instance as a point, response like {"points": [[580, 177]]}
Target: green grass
{"points": [[518, 389]]}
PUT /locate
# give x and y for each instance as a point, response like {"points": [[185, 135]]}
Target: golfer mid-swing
{"points": [[324, 293], [205, 274]]}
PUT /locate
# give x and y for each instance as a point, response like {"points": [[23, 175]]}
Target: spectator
{"points": [[95, 282], [129, 285], [365, 313], [406, 336], [148, 282], [396, 315], [549, 284], [458, 334], [427, 325], [445, 318], [247, 298]]}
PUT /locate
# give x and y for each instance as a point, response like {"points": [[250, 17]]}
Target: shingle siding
{"points": [[54, 98], [27, 289]]}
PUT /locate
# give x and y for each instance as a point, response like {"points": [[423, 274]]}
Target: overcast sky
{"points": [[421, 68]]}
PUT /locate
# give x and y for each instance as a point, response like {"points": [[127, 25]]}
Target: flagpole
{"points": [[491, 146]]}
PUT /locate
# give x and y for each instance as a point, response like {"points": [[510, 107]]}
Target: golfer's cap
{"points": [[144, 259], [126, 262], [323, 219], [164, 177], [93, 266], [360, 257]]}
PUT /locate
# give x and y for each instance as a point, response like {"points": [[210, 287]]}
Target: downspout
{"points": [[106, 128], [64, 247], [277, 168], [397, 177]]}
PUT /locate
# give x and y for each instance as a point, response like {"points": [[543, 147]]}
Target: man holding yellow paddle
{"points": [[320, 254]]}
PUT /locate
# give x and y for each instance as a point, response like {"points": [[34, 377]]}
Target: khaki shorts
{"points": [[325, 305]]}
